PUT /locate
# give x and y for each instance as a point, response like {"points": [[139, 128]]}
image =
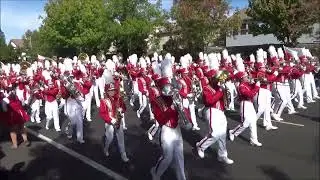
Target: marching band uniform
{"points": [[213, 100], [108, 112], [35, 106], [309, 83], [84, 87], [296, 86], [171, 141], [74, 110], [51, 105], [142, 82], [185, 93], [262, 99], [248, 114]]}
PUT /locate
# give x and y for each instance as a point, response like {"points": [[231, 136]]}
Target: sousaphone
{"points": [[24, 65]]}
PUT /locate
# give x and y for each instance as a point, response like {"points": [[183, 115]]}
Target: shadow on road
{"points": [[273, 172]]}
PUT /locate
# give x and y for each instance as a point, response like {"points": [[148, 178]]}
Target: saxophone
{"points": [[222, 78]]}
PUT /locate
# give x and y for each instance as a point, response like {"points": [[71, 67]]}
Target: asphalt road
{"points": [[291, 152]]}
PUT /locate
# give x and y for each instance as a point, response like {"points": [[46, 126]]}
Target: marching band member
{"points": [[51, 105], [186, 93], [262, 100], [111, 107], [248, 114], [142, 81], [171, 141], [74, 110], [133, 72], [308, 78], [295, 84], [213, 100]]}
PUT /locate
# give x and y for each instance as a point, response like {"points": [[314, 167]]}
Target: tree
{"points": [[33, 44], [131, 23], [73, 26], [287, 19], [201, 23], [7, 52]]}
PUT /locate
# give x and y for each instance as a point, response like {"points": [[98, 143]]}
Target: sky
{"points": [[17, 16]]}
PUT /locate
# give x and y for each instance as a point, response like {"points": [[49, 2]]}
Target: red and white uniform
{"points": [[84, 88], [246, 93], [213, 100], [262, 100], [51, 106], [143, 82], [108, 112], [309, 83]]}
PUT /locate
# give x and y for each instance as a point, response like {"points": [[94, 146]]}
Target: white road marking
{"points": [[285, 122], [82, 158]]}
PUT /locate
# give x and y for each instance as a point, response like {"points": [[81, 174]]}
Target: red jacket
{"points": [[165, 112], [51, 93], [213, 97], [108, 108], [247, 91], [142, 85]]}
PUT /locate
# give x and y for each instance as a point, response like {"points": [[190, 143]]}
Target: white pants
{"points": [[95, 92], [109, 134], [101, 84], [190, 105], [217, 131], [297, 91], [20, 96], [142, 102], [86, 104], [135, 91], [233, 93], [309, 86], [154, 129], [172, 148], [51, 111], [35, 111], [282, 97], [262, 101], [248, 119], [74, 112]]}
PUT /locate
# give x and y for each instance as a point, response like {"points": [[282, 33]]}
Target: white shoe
{"points": [[47, 128], [196, 128], [124, 158], [138, 114], [150, 136], [292, 112], [225, 160], [106, 153], [89, 120], [32, 120], [302, 107], [255, 143], [81, 141], [231, 135], [125, 128], [200, 152], [58, 130], [316, 97], [276, 117], [312, 101], [271, 128], [152, 172], [69, 136]]}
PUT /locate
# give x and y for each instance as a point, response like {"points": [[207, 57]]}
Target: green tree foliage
{"points": [[73, 26], [7, 52], [201, 23], [132, 23], [90, 26], [286, 19]]}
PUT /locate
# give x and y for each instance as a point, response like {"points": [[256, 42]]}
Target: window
{"points": [[244, 29]]}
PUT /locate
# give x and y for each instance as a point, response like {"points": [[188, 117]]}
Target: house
{"points": [[16, 43], [242, 40]]}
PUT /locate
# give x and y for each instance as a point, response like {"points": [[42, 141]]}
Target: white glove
{"points": [[276, 73], [258, 83], [113, 121]]}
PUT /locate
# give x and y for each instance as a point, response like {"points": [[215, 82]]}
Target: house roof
{"points": [[17, 43]]}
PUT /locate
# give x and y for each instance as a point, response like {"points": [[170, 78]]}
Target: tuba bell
{"points": [[24, 65], [222, 78], [83, 57]]}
